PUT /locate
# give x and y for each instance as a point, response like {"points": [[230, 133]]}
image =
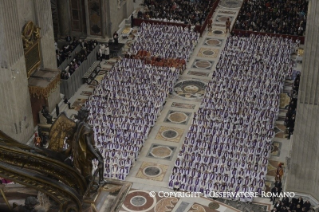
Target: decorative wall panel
{"points": [[95, 17]]}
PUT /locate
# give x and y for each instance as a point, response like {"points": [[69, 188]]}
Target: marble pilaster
{"points": [[44, 21], [64, 17], [304, 173]]}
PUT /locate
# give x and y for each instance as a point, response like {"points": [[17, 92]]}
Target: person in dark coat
{"points": [[116, 38], [57, 110]]}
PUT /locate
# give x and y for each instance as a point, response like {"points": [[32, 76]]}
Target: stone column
{"points": [[44, 21], [303, 175], [87, 18], [64, 17], [16, 118], [129, 8], [103, 23], [108, 19]]}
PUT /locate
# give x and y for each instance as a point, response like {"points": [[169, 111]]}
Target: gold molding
{"points": [[31, 46], [40, 92], [35, 48]]}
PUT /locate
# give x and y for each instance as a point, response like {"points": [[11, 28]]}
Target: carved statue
{"points": [[36, 32], [81, 145], [30, 34], [46, 114], [29, 205], [84, 149], [26, 42]]}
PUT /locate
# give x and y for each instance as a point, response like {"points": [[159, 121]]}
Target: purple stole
{"points": [[197, 181], [226, 178], [193, 173], [212, 176], [187, 171], [237, 189], [215, 169], [233, 180], [190, 181], [184, 179], [222, 169], [205, 175], [246, 181]]}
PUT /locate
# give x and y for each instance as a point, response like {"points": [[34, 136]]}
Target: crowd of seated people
{"points": [[165, 41], [229, 142], [66, 50], [87, 48], [180, 11], [291, 205], [273, 16], [291, 113], [123, 109]]}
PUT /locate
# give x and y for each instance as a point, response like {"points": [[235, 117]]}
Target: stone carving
{"points": [[81, 145], [30, 34]]}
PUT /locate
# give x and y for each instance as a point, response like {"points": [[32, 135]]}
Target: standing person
{"points": [[132, 21], [274, 191], [107, 52], [116, 38], [66, 101], [210, 22], [57, 110], [102, 51], [228, 23], [68, 39]]}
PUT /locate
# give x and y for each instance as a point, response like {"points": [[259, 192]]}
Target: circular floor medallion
{"points": [[208, 52], [232, 4], [177, 117], [138, 201], [190, 89], [170, 134], [222, 19], [218, 32], [152, 171], [161, 152], [203, 64], [213, 42], [213, 205], [134, 201]]}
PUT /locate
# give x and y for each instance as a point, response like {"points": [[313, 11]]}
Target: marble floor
{"points": [[153, 167]]}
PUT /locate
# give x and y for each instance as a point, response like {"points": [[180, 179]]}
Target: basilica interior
{"points": [[159, 105]]}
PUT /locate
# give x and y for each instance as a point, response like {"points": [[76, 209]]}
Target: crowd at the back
{"points": [[291, 114], [181, 11], [86, 48], [66, 50], [291, 205], [273, 16]]}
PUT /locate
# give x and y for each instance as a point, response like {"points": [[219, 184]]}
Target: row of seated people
{"points": [[180, 11], [292, 108], [229, 130], [292, 205], [272, 16], [87, 48], [124, 107], [65, 51], [165, 41]]}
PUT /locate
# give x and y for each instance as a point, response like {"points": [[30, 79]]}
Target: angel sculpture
{"points": [[81, 145]]}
